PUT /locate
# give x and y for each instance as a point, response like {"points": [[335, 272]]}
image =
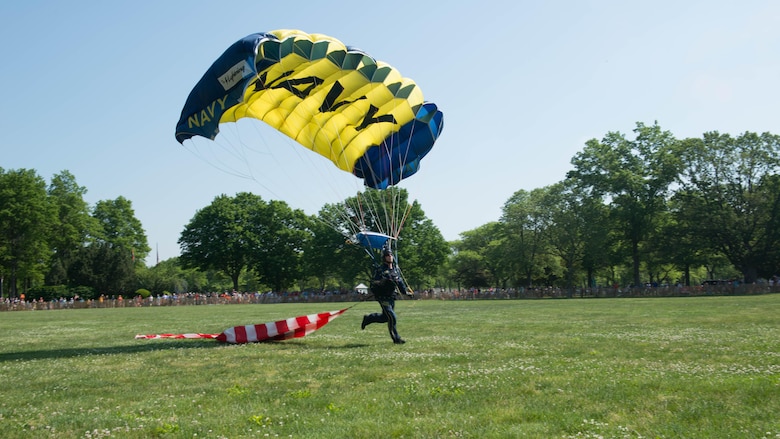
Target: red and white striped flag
{"points": [[280, 330], [294, 327]]}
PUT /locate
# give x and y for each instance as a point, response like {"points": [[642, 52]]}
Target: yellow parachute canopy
{"points": [[360, 113]]}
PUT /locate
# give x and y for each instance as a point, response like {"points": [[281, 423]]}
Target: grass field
{"points": [[705, 367]]}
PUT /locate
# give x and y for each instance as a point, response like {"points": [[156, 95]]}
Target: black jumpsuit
{"points": [[383, 286]]}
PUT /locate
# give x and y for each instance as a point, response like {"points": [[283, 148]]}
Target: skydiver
{"points": [[386, 281]]}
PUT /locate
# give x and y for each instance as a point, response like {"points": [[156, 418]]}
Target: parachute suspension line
{"points": [[403, 220], [389, 205], [390, 217], [324, 170], [215, 159], [378, 212], [244, 147], [311, 157], [358, 222], [397, 208], [352, 216], [361, 217], [209, 156], [365, 209], [381, 210]]}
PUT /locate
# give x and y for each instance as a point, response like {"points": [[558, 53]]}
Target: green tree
{"points": [[566, 228], [278, 236], [101, 268], [421, 249], [169, 276], [658, 251], [595, 230], [491, 243], [120, 228], [634, 176], [219, 238], [328, 254], [445, 277], [470, 269], [115, 270], [72, 229], [26, 218], [769, 265], [678, 242], [729, 196], [525, 222]]}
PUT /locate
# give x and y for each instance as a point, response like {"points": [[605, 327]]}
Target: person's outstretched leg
{"points": [[376, 317], [386, 316], [388, 309]]}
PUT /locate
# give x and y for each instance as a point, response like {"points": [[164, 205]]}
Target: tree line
{"points": [[53, 241], [633, 210], [52, 244]]}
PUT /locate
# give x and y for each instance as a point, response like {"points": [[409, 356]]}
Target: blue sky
{"points": [[96, 88]]}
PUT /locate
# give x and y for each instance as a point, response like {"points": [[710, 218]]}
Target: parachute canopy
{"points": [[372, 240], [338, 101]]}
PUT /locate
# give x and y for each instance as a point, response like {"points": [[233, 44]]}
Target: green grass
{"points": [[704, 367]]}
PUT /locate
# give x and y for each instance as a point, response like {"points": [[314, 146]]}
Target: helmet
{"points": [[386, 252]]}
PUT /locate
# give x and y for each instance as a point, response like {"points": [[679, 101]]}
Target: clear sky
{"points": [[96, 88]]}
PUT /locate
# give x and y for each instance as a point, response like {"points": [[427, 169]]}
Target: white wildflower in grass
{"points": [[593, 429]]}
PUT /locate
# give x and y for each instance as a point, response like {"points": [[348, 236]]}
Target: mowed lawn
{"points": [[706, 367]]}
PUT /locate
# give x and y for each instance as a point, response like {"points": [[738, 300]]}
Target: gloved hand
{"points": [[409, 292]]}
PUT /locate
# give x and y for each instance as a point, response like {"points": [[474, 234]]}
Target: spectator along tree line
{"points": [[633, 210]]}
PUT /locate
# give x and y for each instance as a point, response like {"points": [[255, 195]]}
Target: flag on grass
{"points": [[294, 327]]}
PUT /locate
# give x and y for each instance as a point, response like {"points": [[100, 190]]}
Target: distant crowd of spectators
{"points": [[174, 299], [21, 303]]}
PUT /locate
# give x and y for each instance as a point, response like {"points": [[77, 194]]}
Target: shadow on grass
{"points": [[108, 350], [303, 345], [156, 345]]}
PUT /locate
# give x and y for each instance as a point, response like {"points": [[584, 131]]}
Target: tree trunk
{"points": [[750, 274], [635, 257]]}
